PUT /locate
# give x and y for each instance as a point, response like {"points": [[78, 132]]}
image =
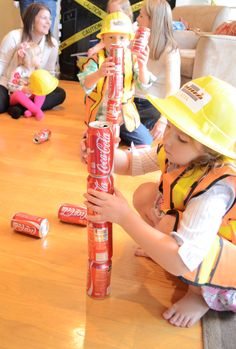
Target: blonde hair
{"points": [[27, 52], [159, 12], [125, 7], [211, 159]]}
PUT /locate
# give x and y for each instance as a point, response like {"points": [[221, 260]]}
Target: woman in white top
{"points": [[164, 62], [36, 28]]}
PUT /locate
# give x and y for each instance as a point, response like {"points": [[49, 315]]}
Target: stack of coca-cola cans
{"points": [[115, 91], [100, 147], [141, 39]]}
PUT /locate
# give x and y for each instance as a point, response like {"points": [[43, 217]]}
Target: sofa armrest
{"points": [[186, 39], [216, 55]]}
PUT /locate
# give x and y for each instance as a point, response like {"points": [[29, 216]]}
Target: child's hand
{"points": [[158, 130], [142, 57], [26, 89], [109, 208], [107, 67], [83, 148], [92, 51]]}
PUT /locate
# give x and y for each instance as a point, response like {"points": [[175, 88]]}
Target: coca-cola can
{"points": [[100, 241], [42, 136], [100, 148], [114, 111], [141, 39], [74, 214], [115, 81], [99, 279], [105, 184], [30, 225]]}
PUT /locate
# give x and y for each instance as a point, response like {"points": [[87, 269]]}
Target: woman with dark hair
{"points": [[36, 28]]}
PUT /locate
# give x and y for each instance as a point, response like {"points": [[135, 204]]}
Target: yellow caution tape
{"points": [[80, 35], [92, 28], [137, 6], [97, 11]]}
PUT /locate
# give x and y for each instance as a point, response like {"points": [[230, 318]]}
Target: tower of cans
{"points": [[100, 144], [115, 91]]}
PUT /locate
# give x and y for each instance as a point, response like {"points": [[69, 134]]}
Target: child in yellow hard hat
{"points": [[187, 224], [117, 29], [29, 56], [113, 6]]}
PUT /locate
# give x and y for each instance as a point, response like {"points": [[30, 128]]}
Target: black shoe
{"points": [[15, 111]]}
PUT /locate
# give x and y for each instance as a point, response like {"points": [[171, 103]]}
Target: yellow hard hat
{"points": [[41, 82], [116, 22], [204, 109]]}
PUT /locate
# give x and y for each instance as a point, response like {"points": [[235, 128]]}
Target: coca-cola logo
{"points": [[103, 186], [24, 228], [72, 211], [103, 144]]}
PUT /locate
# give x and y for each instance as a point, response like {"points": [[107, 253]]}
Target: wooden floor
{"points": [[43, 302]]}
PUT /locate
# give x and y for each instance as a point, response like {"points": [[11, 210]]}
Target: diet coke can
{"points": [[100, 148], [115, 81], [100, 241], [29, 224], [140, 40], [42, 136], [75, 214], [99, 279]]}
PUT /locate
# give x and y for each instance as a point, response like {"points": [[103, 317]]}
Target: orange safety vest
{"points": [[181, 185], [94, 99]]}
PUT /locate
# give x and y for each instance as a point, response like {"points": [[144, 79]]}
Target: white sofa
{"points": [[202, 52]]}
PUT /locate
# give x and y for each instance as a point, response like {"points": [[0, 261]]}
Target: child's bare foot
{"points": [[139, 252], [187, 311]]}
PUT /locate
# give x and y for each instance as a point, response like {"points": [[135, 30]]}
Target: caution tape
{"points": [[97, 11], [92, 28], [80, 35], [137, 6]]}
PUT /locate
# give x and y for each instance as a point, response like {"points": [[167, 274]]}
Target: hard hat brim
{"points": [[180, 116]]}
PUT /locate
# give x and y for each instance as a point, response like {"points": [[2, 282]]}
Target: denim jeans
{"points": [[147, 112], [140, 136], [51, 4]]}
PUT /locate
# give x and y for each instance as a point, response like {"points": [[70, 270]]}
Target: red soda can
{"points": [[100, 148], [99, 279], [100, 241], [141, 39], [101, 183], [75, 214], [105, 184], [42, 136], [29, 224], [115, 81], [114, 111]]}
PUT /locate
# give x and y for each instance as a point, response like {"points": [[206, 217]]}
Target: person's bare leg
{"points": [[188, 310]]}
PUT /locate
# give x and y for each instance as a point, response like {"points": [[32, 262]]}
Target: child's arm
{"points": [[161, 247], [93, 50], [106, 69], [142, 57]]}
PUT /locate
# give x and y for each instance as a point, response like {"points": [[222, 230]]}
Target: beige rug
{"points": [[219, 330]]}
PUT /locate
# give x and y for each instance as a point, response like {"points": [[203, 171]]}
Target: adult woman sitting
{"points": [[36, 27]]}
